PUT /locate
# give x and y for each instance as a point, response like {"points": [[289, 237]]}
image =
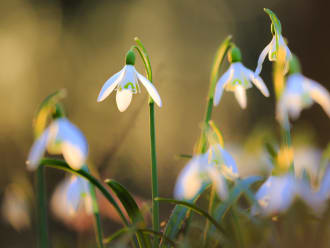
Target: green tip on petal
{"points": [[234, 55], [130, 58], [295, 66], [276, 22]]}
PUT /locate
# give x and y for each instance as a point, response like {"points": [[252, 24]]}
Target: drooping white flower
{"points": [[277, 43], [276, 194], [300, 92], [61, 137], [196, 174], [214, 166], [223, 161], [126, 84], [71, 195], [237, 79]]}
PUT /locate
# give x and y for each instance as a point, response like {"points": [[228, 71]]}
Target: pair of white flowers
{"points": [[214, 166], [278, 193]]}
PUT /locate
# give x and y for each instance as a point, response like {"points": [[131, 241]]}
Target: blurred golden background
{"points": [[78, 44]]}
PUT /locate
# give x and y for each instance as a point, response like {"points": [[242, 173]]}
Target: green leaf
{"points": [[194, 209], [131, 208], [127, 230], [62, 165], [45, 110], [276, 22], [241, 187], [128, 202], [177, 219]]}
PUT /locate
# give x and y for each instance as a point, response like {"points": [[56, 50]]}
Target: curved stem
{"points": [[154, 175]]}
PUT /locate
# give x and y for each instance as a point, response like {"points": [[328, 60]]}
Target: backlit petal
{"points": [[224, 79], [123, 99], [262, 57], [319, 94], [37, 150], [111, 84], [240, 95], [150, 88]]}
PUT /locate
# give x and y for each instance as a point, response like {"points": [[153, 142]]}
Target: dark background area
{"points": [[77, 45]]}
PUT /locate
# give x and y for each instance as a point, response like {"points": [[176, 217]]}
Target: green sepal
{"points": [[130, 58], [294, 65], [234, 55]]}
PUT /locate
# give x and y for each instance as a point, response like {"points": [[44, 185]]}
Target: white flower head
{"points": [[237, 79], [300, 92], [223, 161], [277, 43], [276, 194], [70, 196], [61, 137], [196, 174], [126, 84]]}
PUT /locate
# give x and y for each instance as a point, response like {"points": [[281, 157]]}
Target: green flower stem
{"points": [[218, 60], [154, 175], [42, 209], [96, 212]]}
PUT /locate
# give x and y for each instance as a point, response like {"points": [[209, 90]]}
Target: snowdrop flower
{"points": [[126, 84], [70, 196], [276, 194], [223, 161], [277, 43], [237, 79], [300, 92], [61, 137], [196, 174]]}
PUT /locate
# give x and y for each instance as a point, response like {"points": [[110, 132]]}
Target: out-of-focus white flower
{"points": [[61, 137], [213, 166], [277, 43], [299, 93], [237, 79], [277, 194], [126, 83], [70, 196], [15, 207], [223, 161], [196, 174], [324, 191]]}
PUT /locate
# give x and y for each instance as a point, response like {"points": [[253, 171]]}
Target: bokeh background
{"points": [[78, 44]]}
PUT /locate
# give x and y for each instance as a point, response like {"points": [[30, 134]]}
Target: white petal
{"points": [[189, 181], [262, 57], [319, 94], [219, 182], [73, 195], [74, 146], [229, 169], [240, 95], [150, 88], [111, 84], [123, 99], [37, 150], [258, 82], [224, 79]]}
